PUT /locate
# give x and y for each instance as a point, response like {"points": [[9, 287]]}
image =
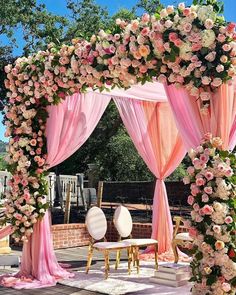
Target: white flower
{"points": [[206, 12], [185, 48], [208, 38]]}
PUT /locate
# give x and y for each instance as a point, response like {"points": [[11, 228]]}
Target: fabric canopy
{"points": [[151, 126]]}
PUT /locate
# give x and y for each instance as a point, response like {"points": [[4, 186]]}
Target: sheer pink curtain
{"points": [[193, 124], [160, 146], [69, 125]]}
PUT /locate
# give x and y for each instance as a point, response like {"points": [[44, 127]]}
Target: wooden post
{"points": [[68, 203], [100, 193]]}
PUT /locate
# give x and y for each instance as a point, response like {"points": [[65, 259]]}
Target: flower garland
{"points": [[213, 225], [190, 46]]}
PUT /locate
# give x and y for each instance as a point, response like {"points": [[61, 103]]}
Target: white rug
{"points": [[119, 282]]}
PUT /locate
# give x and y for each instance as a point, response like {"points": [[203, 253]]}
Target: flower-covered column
{"points": [[213, 228]]}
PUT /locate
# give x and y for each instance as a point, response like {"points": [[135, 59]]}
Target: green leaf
{"points": [[211, 279]]}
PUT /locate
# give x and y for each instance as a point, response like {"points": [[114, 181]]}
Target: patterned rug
{"points": [[119, 282]]}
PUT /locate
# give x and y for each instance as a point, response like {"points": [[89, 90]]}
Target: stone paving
{"points": [[76, 257]]}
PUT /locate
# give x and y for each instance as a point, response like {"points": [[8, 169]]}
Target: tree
{"points": [[150, 6], [86, 19]]}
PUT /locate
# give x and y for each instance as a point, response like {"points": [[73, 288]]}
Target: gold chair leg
{"points": [[90, 256], [117, 259], [156, 256], [137, 258], [106, 258], [134, 257], [175, 251], [129, 251]]}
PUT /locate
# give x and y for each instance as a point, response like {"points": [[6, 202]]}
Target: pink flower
{"points": [[193, 232], [207, 210], [226, 47], [209, 175], [229, 172], [216, 82], [196, 207], [186, 11], [221, 38], [226, 287], [187, 27], [206, 80], [145, 31], [200, 181], [210, 56], [204, 158], [228, 219], [205, 198], [207, 136], [173, 36], [205, 96], [208, 190], [199, 218], [145, 17], [190, 170], [220, 68], [196, 46], [208, 24], [190, 200]]}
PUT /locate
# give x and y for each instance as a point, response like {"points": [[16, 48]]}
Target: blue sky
{"points": [[59, 7]]}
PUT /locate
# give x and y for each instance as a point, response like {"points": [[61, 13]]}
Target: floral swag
{"points": [[191, 46], [213, 225]]}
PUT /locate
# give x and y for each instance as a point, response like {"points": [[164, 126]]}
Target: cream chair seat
{"points": [[97, 226], [123, 222]]}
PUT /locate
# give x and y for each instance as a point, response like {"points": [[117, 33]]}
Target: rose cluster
{"points": [[212, 225]]}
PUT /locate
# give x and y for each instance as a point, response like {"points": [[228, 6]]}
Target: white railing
{"points": [[79, 195]]}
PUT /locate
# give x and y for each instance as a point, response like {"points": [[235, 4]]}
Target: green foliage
{"points": [[3, 164], [86, 19], [150, 6]]}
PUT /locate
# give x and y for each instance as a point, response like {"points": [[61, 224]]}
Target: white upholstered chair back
{"points": [[123, 221], [96, 223]]}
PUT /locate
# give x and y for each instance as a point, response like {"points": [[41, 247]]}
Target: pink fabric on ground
{"points": [[39, 267], [193, 124], [160, 146]]}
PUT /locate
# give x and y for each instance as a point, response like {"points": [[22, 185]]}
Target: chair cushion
{"points": [[111, 245], [96, 223], [141, 242], [123, 221], [183, 236]]}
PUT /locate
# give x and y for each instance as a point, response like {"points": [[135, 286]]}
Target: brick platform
{"points": [[75, 234], [69, 235]]}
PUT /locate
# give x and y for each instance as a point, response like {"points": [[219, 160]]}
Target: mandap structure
{"points": [[171, 76]]}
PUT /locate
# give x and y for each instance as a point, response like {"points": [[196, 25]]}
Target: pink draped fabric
{"points": [[6, 231], [39, 267], [193, 124], [69, 125], [160, 146]]}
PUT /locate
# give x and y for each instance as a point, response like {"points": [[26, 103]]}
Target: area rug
{"points": [[119, 282]]}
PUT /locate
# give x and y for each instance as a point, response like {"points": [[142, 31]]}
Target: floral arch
{"points": [[192, 50]]}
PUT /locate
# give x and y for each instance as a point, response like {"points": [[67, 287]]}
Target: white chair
{"points": [[97, 226], [123, 222]]}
